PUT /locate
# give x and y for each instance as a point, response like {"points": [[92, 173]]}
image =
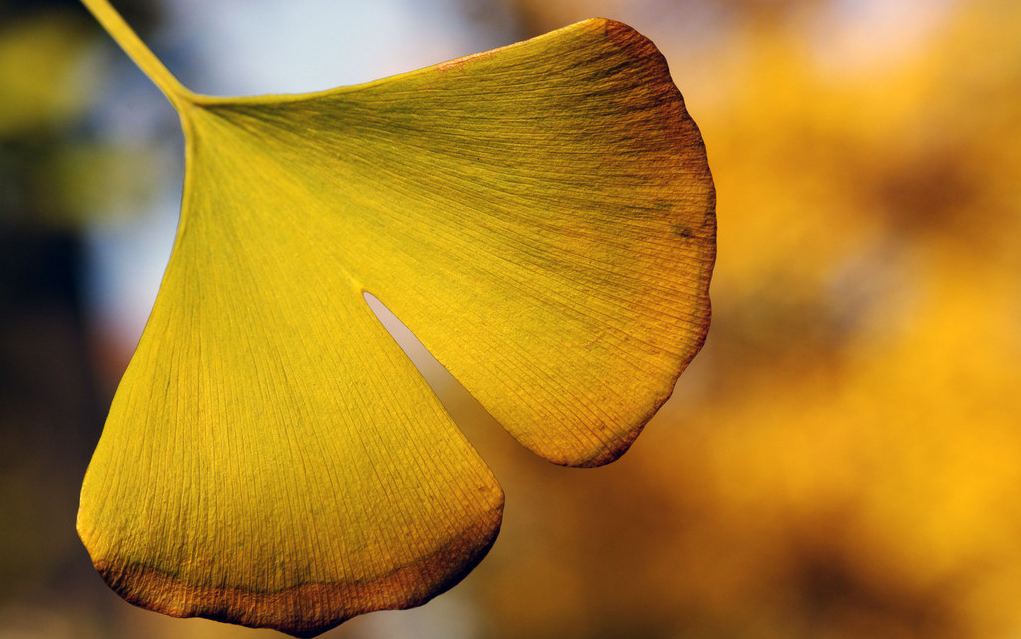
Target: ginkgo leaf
{"points": [[541, 216]]}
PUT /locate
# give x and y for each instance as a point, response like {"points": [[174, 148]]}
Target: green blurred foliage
{"points": [[54, 172], [38, 60]]}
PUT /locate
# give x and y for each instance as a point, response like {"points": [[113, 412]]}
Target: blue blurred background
{"points": [[842, 460]]}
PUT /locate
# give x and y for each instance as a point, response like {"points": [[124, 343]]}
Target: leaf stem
{"points": [[146, 60]]}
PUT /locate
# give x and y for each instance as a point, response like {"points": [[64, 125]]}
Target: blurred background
{"points": [[842, 460]]}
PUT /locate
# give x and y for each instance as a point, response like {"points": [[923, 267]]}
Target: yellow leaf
{"points": [[541, 216]]}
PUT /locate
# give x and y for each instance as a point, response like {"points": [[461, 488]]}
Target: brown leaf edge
{"points": [[682, 128], [308, 609]]}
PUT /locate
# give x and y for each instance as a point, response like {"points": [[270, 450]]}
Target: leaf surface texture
{"points": [[541, 216]]}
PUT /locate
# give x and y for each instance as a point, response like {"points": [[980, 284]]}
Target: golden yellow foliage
{"points": [[541, 216], [846, 457]]}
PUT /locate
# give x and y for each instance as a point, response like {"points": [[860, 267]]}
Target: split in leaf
{"points": [[541, 216]]}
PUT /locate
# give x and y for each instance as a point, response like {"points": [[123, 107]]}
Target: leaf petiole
{"points": [[146, 60]]}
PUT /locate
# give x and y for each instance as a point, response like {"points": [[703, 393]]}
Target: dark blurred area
{"points": [[843, 459], [52, 398]]}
